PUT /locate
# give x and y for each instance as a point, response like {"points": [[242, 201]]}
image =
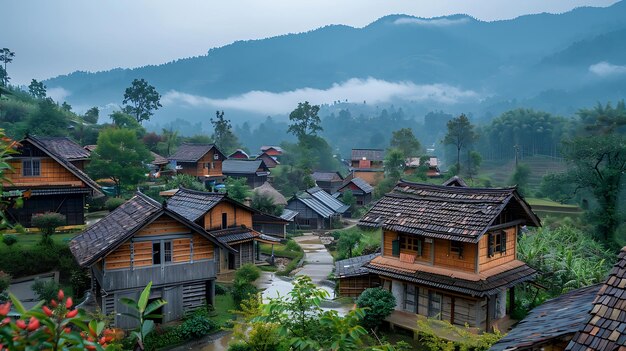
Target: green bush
{"points": [[291, 245], [197, 326], [167, 337], [113, 203], [46, 290], [24, 261], [48, 223], [239, 346], [221, 289], [379, 303], [247, 273], [9, 239], [5, 281], [243, 291], [19, 229]]}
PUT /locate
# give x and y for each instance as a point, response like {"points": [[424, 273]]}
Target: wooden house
{"points": [[432, 164], [270, 161], [354, 277], [48, 181], [159, 164], [239, 154], [270, 225], [274, 151], [330, 182], [361, 190], [316, 209], [203, 161], [367, 164], [143, 241], [224, 218], [255, 171], [69, 150], [450, 252]]}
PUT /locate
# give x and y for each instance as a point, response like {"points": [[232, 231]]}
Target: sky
{"points": [[54, 37]]}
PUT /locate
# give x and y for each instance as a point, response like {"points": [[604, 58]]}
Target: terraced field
{"points": [[499, 172]]}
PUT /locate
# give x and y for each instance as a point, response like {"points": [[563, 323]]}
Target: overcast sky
{"points": [[52, 37]]}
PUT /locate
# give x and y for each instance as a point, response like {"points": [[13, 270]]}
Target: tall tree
{"points": [[126, 121], [394, 164], [48, 120], [305, 120], [6, 56], [460, 134], [405, 141], [119, 156], [223, 135], [37, 89], [92, 115], [142, 100]]}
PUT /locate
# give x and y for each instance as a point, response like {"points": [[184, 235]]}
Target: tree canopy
{"points": [[141, 100], [405, 141], [223, 135], [305, 120], [460, 134], [37, 89]]}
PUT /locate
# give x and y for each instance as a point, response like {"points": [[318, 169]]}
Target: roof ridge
{"points": [[454, 188], [148, 199], [199, 192]]}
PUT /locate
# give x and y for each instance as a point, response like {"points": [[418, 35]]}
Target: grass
{"points": [[30, 240], [546, 202], [369, 240], [283, 251], [224, 305]]}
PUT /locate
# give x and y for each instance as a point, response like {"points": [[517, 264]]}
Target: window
{"points": [[434, 304], [161, 252], [456, 248], [410, 294], [224, 220], [411, 243], [31, 167], [496, 243]]}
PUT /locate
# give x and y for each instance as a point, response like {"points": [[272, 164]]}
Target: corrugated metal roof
{"points": [[236, 166], [361, 184], [288, 214], [316, 206], [328, 200]]}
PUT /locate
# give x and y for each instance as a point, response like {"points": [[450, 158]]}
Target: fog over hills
{"points": [[556, 62]]}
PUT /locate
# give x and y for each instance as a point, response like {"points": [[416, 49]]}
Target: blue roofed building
{"points": [[316, 209]]}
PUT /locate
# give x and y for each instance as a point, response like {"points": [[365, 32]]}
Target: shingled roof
{"points": [[368, 154], [158, 159], [120, 225], [65, 147], [359, 183], [605, 328], [446, 212], [326, 176], [353, 267], [193, 204], [554, 319], [190, 152], [65, 163]]}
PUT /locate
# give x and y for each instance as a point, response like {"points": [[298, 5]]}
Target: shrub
{"points": [[80, 281], [9, 239], [291, 245], [220, 289], [379, 302], [197, 326], [5, 281], [24, 261], [19, 229], [243, 291], [239, 346], [45, 290], [113, 203], [48, 223], [247, 273]]}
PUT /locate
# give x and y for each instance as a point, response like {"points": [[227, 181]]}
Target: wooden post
{"points": [[511, 299], [452, 310], [488, 320]]}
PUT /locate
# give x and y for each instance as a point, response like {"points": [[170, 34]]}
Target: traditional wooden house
{"points": [[274, 151], [316, 209], [354, 277], [270, 161], [432, 164], [255, 171], [239, 154], [159, 164], [69, 150], [270, 225], [48, 181], [330, 182], [143, 241], [450, 252], [367, 164], [361, 190], [224, 218], [203, 161]]}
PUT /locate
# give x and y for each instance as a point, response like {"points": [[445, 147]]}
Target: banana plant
{"points": [[144, 313]]}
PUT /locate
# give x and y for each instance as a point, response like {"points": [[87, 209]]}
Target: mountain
{"points": [[452, 62]]}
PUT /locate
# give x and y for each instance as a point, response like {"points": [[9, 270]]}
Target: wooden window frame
{"points": [[431, 313], [411, 243], [164, 259], [224, 220], [456, 248], [31, 161], [496, 243]]}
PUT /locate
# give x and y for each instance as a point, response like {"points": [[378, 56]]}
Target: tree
{"points": [[124, 120], [184, 181], [474, 160], [520, 177], [305, 120], [348, 198], [237, 188], [405, 141], [223, 136], [6, 56], [37, 89], [460, 134], [394, 164], [143, 99], [379, 304], [48, 223], [48, 120], [346, 242], [92, 115], [119, 156], [66, 107], [4, 77], [264, 203]]}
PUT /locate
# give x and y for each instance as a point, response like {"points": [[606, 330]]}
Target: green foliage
{"points": [[126, 121], [6, 56], [520, 177], [405, 141], [461, 135], [92, 115], [378, 304], [37, 89], [184, 181], [48, 223], [430, 330], [348, 198], [141, 100], [143, 311], [119, 156], [237, 188], [5, 281], [265, 203], [242, 285], [239, 346], [247, 273], [20, 261], [394, 164], [197, 325], [383, 187], [221, 289], [290, 180], [45, 290], [346, 243], [305, 120], [48, 120], [557, 187], [9, 239], [291, 245], [113, 203], [223, 135]]}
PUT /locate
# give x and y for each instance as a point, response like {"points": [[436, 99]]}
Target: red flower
{"points": [[71, 314], [67, 330], [61, 295], [53, 303], [5, 308], [47, 311], [21, 324], [7, 320], [33, 324], [69, 302]]}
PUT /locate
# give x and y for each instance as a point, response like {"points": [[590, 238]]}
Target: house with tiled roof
{"points": [[254, 171], [316, 209], [367, 164], [329, 181], [272, 150], [239, 154], [361, 190], [450, 252], [432, 166], [228, 220], [143, 241], [44, 173], [203, 161], [270, 161]]}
